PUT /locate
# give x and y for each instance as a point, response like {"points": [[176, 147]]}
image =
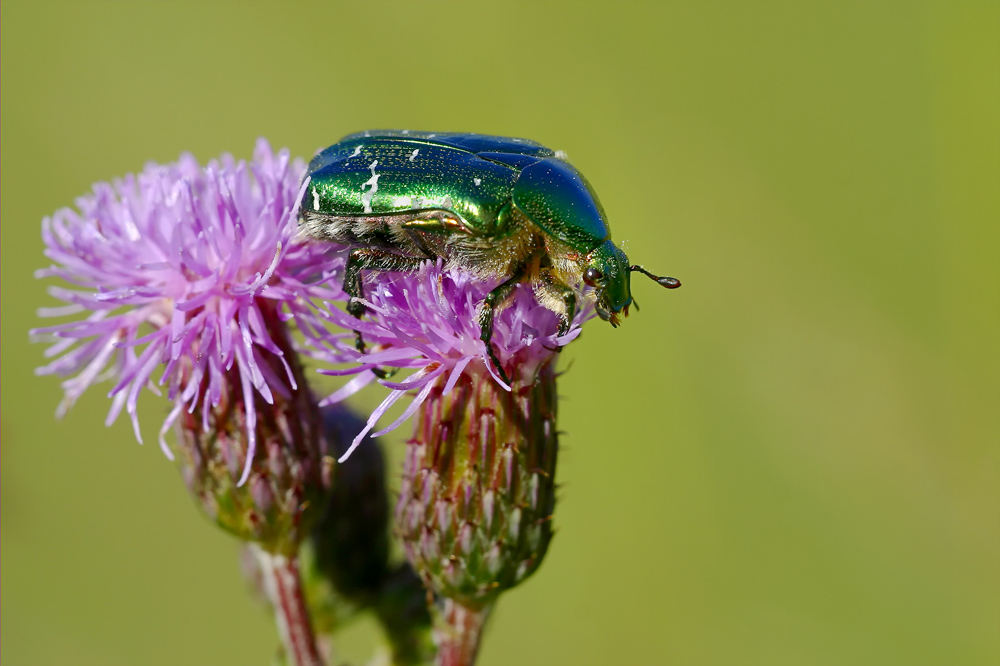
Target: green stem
{"points": [[284, 588], [458, 633]]}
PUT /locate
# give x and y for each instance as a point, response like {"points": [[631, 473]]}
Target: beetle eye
{"points": [[591, 276]]}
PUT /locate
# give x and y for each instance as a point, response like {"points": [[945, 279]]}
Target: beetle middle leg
{"points": [[370, 259], [493, 300]]}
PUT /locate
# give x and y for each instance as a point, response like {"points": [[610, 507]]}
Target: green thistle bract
{"points": [[475, 509], [477, 496]]}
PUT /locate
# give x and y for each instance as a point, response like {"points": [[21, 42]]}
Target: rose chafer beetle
{"points": [[492, 205]]}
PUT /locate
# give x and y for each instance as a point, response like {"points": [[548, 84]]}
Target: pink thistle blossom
{"points": [[427, 322], [193, 255]]}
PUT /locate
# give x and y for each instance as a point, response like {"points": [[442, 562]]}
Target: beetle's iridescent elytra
{"points": [[495, 206]]}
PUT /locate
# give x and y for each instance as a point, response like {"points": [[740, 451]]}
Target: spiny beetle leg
{"points": [[370, 259], [493, 300], [496, 363], [566, 318]]}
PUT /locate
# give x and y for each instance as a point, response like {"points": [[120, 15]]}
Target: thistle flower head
{"points": [[427, 322], [171, 268]]}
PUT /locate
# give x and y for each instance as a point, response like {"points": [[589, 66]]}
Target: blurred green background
{"points": [[792, 460]]}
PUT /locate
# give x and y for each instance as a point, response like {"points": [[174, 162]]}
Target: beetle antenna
{"points": [[668, 282]]}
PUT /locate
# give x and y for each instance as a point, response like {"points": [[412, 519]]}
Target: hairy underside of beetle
{"points": [[519, 248]]}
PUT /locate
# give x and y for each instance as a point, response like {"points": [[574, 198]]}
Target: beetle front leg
{"points": [[361, 259], [493, 300]]}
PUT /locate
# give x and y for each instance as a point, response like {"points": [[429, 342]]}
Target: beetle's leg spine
{"points": [[354, 288]]}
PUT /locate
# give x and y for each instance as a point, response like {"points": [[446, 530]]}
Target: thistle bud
{"points": [[197, 269], [475, 508], [350, 544], [286, 480], [346, 557]]}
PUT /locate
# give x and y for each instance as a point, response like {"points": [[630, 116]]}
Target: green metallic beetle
{"points": [[492, 205]]}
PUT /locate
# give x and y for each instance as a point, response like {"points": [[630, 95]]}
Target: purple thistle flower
{"points": [[427, 321], [477, 493], [194, 254]]}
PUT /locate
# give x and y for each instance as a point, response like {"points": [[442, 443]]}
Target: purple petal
{"points": [[348, 389], [414, 404], [389, 401], [456, 372]]}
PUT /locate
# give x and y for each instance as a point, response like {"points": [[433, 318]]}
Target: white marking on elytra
{"points": [[477, 181], [315, 199], [366, 198], [413, 155], [432, 135], [357, 151], [561, 154], [406, 131], [367, 133]]}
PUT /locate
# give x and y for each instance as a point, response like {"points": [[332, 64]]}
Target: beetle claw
{"points": [[496, 364]]}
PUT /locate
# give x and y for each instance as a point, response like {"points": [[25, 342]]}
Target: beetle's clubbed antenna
{"points": [[668, 282]]}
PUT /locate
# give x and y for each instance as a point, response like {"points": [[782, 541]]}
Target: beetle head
{"points": [[607, 270]]}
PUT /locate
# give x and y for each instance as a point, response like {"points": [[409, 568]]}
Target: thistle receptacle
{"points": [[477, 496]]}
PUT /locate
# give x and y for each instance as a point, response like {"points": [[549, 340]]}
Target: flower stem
{"points": [[284, 587], [458, 633]]}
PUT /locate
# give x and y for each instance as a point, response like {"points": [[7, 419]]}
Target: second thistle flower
{"points": [[478, 489], [475, 507]]}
